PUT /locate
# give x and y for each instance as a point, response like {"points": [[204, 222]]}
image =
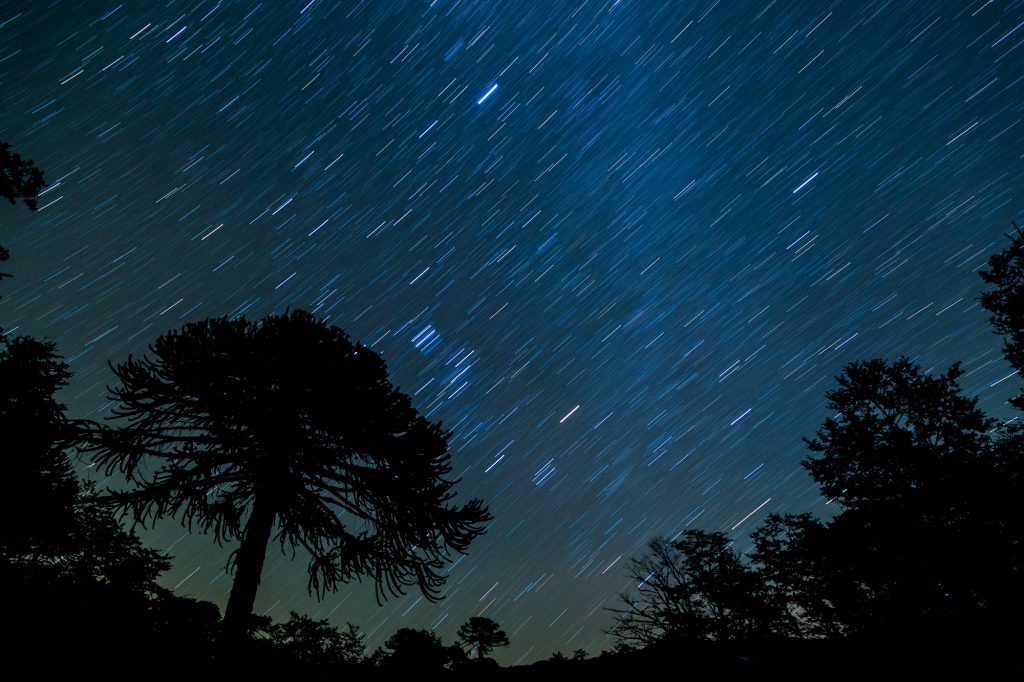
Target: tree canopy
{"points": [[415, 651], [303, 640], [926, 524], [20, 180], [693, 588], [1006, 302], [243, 428], [926, 539], [482, 634]]}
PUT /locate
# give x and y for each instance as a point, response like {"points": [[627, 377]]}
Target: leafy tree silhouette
{"points": [[352, 644], [1006, 302], [241, 427], [792, 554], [47, 491], [482, 634], [410, 650], [693, 588], [63, 555], [20, 180], [317, 642], [925, 539]]}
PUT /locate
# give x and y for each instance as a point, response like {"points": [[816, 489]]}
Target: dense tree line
{"points": [[282, 430], [926, 546]]}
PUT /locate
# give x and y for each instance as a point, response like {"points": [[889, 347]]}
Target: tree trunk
{"points": [[248, 569]]}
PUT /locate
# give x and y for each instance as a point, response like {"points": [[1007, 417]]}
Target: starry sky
{"points": [[620, 248]]}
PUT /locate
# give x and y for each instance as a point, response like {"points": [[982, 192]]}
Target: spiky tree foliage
{"points": [[283, 428]]}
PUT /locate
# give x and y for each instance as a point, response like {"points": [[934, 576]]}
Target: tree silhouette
{"points": [[63, 555], [927, 540], [483, 634], [1006, 302], [306, 641], [898, 431], [241, 427], [794, 556], [693, 588], [926, 545], [47, 490], [410, 650], [20, 180]]}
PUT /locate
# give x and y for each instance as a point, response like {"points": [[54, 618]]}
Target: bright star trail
{"points": [[683, 217], [487, 94]]}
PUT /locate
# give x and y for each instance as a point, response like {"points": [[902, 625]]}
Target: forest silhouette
{"points": [[282, 431]]}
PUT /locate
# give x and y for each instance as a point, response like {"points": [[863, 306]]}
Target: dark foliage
{"points": [[62, 555], [690, 589], [47, 489], [240, 428], [898, 432], [926, 542], [418, 651], [20, 180], [483, 635], [927, 536], [1006, 302], [791, 554], [305, 641]]}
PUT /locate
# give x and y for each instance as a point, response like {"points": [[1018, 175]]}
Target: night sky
{"points": [[621, 249]]}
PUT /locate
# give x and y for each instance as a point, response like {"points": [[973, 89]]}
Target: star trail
{"points": [[619, 248]]}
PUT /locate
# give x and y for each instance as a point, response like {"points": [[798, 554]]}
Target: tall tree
{"points": [[62, 555], [897, 431], [482, 634], [241, 428], [927, 531], [35, 432]]}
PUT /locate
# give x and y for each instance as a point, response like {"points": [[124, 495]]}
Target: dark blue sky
{"points": [[624, 277]]}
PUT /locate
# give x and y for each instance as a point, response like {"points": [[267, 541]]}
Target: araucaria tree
{"points": [[283, 429]]}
